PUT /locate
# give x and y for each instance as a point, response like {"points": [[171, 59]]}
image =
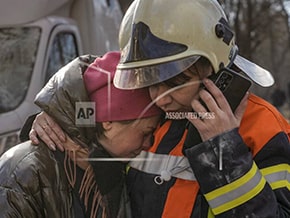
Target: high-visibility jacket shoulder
{"points": [[261, 118], [242, 173]]}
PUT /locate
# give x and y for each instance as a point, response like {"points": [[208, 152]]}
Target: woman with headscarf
{"points": [[101, 123]]}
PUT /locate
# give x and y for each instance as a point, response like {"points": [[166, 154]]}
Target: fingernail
{"points": [[205, 80], [34, 142], [53, 147], [62, 138]]}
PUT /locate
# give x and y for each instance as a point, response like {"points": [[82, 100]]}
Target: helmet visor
{"points": [[144, 76]]}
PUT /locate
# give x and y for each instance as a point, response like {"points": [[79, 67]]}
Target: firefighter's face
{"points": [[177, 93]]}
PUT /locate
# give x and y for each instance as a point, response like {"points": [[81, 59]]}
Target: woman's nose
{"points": [[159, 95]]}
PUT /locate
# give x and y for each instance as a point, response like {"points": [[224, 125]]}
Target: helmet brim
{"points": [[144, 76], [148, 75], [258, 74]]}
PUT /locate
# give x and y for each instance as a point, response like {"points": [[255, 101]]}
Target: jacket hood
{"points": [[59, 96]]}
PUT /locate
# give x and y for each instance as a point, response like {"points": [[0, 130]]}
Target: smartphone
{"points": [[233, 85]]}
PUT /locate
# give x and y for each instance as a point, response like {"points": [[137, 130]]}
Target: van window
{"points": [[64, 49], [18, 48]]}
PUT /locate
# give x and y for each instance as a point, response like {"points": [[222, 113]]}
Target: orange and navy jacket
{"points": [[242, 173]]}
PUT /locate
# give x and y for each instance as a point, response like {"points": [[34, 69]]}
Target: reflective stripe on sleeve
{"points": [[277, 176], [237, 192]]}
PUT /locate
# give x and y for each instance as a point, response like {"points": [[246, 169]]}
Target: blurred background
{"points": [[39, 37], [262, 30]]}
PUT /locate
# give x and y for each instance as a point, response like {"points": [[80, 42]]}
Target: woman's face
{"points": [[127, 140], [177, 93]]}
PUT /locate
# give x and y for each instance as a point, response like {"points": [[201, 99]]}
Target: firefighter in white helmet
{"points": [[165, 44], [236, 167], [207, 160]]}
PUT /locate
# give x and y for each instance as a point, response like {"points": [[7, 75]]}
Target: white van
{"points": [[36, 39]]}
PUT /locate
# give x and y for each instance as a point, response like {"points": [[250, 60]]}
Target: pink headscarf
{"points": [[113, 104]]}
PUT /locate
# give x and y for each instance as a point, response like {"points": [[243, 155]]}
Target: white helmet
{"points": [[161, 38]]}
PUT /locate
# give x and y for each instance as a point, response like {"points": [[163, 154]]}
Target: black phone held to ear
{"points": [[234, 87]]}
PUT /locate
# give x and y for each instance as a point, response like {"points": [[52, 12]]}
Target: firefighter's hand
{"points": [[48, 131], [222, 118]]}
